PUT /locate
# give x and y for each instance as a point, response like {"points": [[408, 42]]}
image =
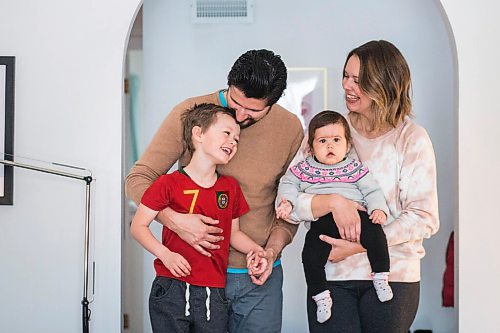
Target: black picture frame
{"points": [[7, 70]]}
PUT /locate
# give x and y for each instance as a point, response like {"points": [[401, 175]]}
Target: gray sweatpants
{"points": [[173, 310]]}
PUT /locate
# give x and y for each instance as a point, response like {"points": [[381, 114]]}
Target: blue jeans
{"points": [[167, 308], [252, 308], [357, 309]]}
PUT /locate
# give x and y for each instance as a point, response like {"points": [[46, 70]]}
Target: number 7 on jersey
{"points": [[195, 196]]}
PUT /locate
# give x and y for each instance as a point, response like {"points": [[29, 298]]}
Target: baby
{"points": [[330, 171]]}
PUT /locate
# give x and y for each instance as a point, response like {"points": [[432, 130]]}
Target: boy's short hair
{"points": [[259, 74], [202, 115], [325, 118]]}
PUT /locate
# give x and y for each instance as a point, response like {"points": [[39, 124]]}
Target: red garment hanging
{"points": [[449, 276]]}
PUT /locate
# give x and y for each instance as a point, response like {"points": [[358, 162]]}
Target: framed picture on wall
{"points": [[6, 128], [306, 92]]}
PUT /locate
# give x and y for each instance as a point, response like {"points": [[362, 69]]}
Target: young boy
{"points": [[188, 292]]}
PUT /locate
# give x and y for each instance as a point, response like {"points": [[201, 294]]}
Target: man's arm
{"points": [[197, 230], [161, 154], [282, 232]]}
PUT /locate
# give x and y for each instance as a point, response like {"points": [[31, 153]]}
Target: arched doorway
{"points": [[415, 28]]}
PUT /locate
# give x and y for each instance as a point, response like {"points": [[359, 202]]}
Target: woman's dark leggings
{"points": [[356, 308], [315, 252]]}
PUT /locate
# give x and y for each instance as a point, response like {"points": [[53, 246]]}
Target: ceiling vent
{"points": [[222, 11]]}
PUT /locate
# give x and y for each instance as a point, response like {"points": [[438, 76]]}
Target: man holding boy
{"points": [[270, 136]]}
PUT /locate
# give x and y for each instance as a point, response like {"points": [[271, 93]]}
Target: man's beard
{"points": [[247, 123]]}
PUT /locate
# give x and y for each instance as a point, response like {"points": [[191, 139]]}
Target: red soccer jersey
{"points": [[223, 201]]}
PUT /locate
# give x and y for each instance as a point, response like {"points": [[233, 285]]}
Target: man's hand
{"points": [[197, 230], [256, 263], [341, 249], [270, 256]]}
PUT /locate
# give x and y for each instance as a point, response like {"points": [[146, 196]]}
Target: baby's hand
{"points": [[284, 209], [256, 263], [378, 217], [176, 264]]}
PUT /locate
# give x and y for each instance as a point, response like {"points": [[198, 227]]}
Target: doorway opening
{"points": [[183, 59]]}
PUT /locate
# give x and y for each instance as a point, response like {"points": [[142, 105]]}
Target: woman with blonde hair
{"points": [[400, 156]]}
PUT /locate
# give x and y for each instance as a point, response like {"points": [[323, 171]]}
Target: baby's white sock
{"points": [[382, 287], [324, 303]]}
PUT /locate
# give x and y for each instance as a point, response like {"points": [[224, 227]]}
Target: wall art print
{"points": [[7, 65]]}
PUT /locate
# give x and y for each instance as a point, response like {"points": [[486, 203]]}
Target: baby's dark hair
{"points": [[202, 115], [324, 118]]}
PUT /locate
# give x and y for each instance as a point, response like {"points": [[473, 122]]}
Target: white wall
{"points": [[476, 30], [182, 59], [134, 260], [69, 71], [69, 65]]}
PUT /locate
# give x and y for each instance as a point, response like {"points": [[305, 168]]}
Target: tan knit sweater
{"points": [[264, 152]]}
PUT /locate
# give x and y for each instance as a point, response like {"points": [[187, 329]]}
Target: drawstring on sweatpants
{"points": [[186, 313], [207, 302]]}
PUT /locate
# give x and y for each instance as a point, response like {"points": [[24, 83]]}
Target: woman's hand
{"points": [[344, 211], [197, 230], [341, 249]]}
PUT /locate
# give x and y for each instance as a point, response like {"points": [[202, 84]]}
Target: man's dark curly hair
{"points": [[259, 74]]}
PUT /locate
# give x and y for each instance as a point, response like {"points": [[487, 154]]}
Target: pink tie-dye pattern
{"points": [[403, 163]]}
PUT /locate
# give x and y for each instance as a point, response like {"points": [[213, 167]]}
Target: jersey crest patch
{"points": [[222, 199]]}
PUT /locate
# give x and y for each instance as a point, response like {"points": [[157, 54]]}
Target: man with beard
{"points": [[270, 136]]}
